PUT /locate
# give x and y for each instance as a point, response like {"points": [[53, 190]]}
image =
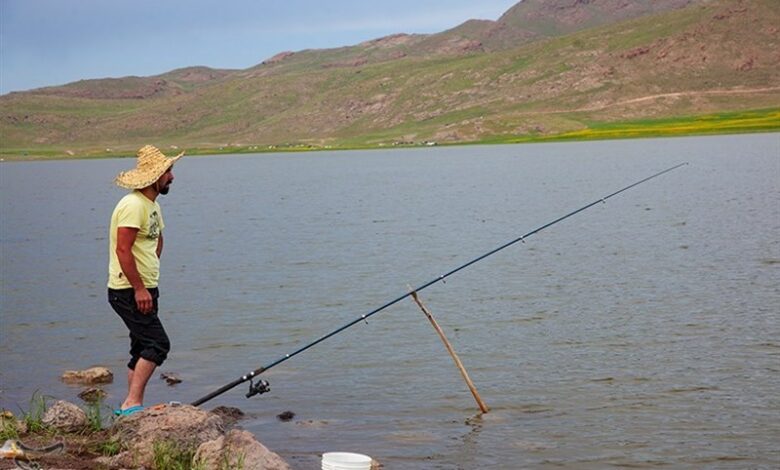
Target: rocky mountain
{"points": [[532, 20], [544, 67]]}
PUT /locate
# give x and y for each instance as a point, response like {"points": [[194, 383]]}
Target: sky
{"points": [[53, 42]]}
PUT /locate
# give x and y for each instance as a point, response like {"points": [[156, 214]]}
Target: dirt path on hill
{"points": [[740, 91]]}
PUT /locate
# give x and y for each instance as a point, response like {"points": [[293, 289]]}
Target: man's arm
{"points": [[159, 246], [125, 238]]}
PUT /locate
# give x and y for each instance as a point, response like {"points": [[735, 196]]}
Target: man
{"points": [[135, 247]]}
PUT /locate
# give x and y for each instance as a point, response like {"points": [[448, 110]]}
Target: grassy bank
{"points": [[39, 445], [754, 121], [765, 120]]}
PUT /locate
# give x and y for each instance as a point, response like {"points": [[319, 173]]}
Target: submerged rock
{"points": [[229, 414], [92, 395], [170, 378], [91, 376], [311, 423]]}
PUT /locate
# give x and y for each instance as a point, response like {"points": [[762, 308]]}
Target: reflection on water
{"points": [[641, 333]]}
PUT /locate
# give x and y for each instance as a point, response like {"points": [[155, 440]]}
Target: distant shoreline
{"points": [[746, 122]]}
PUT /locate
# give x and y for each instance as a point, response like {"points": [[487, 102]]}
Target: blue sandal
{"points": [[129, 411]]}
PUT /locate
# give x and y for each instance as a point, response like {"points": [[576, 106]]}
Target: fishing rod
{"points": [[262, 386]]}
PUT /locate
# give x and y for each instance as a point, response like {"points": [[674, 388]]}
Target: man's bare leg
{"points": [[137, 385]]}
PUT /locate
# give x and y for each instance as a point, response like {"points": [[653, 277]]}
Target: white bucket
{"points": [[345, 461]]}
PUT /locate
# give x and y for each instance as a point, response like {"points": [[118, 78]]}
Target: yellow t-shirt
{"points": [[137, 211]]}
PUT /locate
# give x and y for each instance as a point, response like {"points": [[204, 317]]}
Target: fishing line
{"points": [[262, 386]]}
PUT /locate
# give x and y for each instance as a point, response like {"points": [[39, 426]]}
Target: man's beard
{"points": [[165, 189]]}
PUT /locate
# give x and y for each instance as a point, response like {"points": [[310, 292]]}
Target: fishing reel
{"points": [[258, 388]]}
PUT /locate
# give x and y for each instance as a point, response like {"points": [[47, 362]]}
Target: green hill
{"points": [[545, 69]]}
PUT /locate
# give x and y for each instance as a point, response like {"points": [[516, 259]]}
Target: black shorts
{"points": [[148, 339]]}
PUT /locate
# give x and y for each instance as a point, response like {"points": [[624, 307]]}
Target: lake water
{"points": [[642, 332]]}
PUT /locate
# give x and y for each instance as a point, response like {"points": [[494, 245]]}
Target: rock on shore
{"points": [[66, 417], [185, 426], [238, 449]]}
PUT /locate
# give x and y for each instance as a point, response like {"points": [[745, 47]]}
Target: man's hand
{"points": [[125, 238], [143, 299]]}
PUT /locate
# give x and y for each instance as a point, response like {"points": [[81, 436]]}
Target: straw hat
{"points": [[150, 165]]}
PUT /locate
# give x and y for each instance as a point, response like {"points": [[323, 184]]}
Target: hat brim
{"points": [[141, 178]]}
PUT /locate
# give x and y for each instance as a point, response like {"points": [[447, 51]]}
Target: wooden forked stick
{"points": [[482, 406]]}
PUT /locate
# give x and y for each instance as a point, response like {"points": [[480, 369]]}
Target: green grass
{"points": [[95, 416], [767, 120], [110, 447], [33, 417], [169, 456], [8, 428]]}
